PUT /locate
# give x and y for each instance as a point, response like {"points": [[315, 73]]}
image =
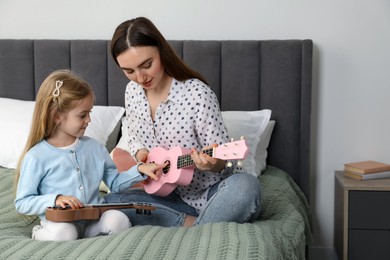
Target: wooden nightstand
{"points": [[362, 218]]}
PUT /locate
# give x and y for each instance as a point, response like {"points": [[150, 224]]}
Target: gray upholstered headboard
{"points": [[245, 75]]}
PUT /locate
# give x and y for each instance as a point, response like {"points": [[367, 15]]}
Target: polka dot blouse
{"points": [[190, 117]]}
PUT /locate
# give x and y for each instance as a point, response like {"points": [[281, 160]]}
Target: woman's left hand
{"points": [[205, 162]]}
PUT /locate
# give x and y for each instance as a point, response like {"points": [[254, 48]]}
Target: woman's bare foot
{"points": [[189, 221]]}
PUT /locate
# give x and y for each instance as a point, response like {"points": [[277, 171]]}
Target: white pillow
{"points": [[15, 120], [261, 150], [103, 121], [250, 125]]}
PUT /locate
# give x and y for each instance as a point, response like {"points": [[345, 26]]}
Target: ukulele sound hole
{"points": [[165, 170]]}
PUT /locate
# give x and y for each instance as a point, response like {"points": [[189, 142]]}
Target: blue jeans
{"points": [[234, 199]]}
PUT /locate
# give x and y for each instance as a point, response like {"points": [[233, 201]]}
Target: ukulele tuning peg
{"points": [[147, 212], [229, 164], [138, 211], [239, 163], [242, 137], [232, 139]]}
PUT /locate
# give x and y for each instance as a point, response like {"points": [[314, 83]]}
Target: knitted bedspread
{"points": [[281, 232]]}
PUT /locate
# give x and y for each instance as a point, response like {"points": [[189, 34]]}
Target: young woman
{"points": [[61, 167], [167, 105]]}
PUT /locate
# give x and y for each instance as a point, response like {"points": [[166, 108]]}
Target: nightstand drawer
{"points": [[369, 210], [369, 244]]}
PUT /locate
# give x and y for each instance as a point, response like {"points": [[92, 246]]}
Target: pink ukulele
{"points": [[180, 169]]}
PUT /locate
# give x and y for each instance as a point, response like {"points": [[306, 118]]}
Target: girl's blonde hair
{"points": [[50, 101]]}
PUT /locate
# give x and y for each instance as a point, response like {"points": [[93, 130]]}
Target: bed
{"points": [[248, 77]]}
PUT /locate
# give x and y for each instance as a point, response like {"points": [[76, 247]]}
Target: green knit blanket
{"points": [[281, 232]]}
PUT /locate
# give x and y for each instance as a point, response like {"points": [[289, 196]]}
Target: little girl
{"points": [[61, 167]]}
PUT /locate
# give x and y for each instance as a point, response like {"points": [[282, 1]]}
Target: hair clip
{"points": [[56, 91]]}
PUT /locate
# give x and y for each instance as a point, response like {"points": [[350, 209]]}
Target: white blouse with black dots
{"points": [[190, 117]]}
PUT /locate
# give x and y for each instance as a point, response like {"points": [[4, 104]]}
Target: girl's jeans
{"points": [[234, 199]]}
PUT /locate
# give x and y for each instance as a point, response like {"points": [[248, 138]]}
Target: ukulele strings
{"points": [[185, 160]]}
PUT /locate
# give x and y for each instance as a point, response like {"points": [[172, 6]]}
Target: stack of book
{"points": [[367, 170]]}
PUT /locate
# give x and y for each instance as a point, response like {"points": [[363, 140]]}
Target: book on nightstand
{"points": [[367, 170], [365, 167], [369, 176]]}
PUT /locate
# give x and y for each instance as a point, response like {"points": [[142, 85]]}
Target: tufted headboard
{"points": [[245, 75]]}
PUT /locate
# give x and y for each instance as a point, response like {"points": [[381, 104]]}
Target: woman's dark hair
{"points": [[141, 32]]}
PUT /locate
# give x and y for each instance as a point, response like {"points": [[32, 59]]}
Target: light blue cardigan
{"points": [[47, 172]]}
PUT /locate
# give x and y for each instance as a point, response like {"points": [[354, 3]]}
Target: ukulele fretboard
{"points": [[184, 161]]}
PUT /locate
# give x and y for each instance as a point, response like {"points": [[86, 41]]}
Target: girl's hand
{"points": [[73, 202], [205, 162], [142, 155], [152, 170]]}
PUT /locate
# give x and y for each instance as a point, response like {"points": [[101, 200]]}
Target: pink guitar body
{"points": [[168, 181], [181, 167]]}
